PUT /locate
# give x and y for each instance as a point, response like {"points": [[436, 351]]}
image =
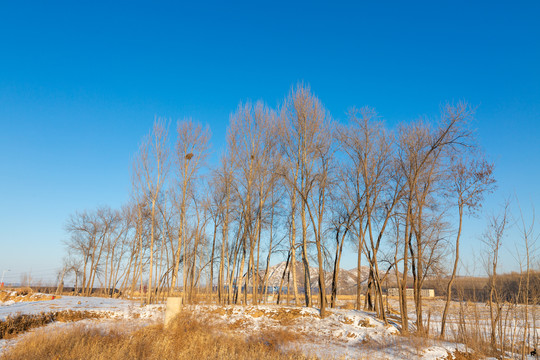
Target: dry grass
{"points": [[18, 324], [348, 305], [185, 338], [365, 323], [463, 355], [283, 316], [24, 294]]}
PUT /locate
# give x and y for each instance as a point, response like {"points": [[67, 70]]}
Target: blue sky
{"points": [[81, 83]]}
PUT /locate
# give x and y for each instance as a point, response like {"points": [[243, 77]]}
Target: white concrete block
{"points": [[174, 306]]}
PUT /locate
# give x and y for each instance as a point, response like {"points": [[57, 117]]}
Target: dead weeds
{"points": [[187, 337], [18, 324], [462, 355], [366, 323], [23, 295], [348, 306]]}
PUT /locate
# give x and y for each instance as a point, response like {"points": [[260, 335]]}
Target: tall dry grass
{"points": [[515, 335], [17, 324], [185, 338]]}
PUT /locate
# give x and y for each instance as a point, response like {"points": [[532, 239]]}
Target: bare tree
{"points": [[492, 238], [422, 153], [153, 166], [376, 186], [306, 148], [251, 142], [222, 191], [191, 151], [470, 182], [529, 237], [341, 226]]}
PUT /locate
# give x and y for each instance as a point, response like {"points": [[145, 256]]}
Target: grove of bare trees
{"points": [[291, 184]]}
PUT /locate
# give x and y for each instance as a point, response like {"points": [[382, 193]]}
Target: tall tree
{"points": [[492, 238], [376, 186], [193, 141], [153, 165], [423, 153], [470, 182], [306, 145], [251, 142]]}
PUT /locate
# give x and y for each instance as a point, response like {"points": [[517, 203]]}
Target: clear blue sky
{"points": [[81, 83]]}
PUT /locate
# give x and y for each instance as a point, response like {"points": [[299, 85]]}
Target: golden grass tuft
{"points": [[286, 316], [462, 355], [349, 305], [221, 311], [185, 338], [18, 324], [366, 323], [276, 339]]}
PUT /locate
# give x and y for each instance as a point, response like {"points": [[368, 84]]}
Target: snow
{"points": [[121, 314], [342, 334], [114, 307]]}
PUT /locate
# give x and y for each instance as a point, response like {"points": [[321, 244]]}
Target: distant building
{"points": [[427, 293]]}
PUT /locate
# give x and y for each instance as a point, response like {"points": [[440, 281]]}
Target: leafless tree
{"points": [[222, 199], [423, 151], [152, 164], [492, 238], [377, 186], [341, 226], [529, 237], [470, 182], [306, 146], [252, 146], [191, 151]]}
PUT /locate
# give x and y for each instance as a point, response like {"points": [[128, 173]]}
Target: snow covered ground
{"points": [[343, 334], [347, 334], [126, 314], [115, 308]]}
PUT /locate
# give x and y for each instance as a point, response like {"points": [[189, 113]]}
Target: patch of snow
{"points": [[115, 307]]}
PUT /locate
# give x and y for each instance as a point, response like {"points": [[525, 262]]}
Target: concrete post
{"points": [[174, 306]]}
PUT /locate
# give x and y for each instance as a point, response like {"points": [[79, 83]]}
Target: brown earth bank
{"points": [[21, 323]]}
